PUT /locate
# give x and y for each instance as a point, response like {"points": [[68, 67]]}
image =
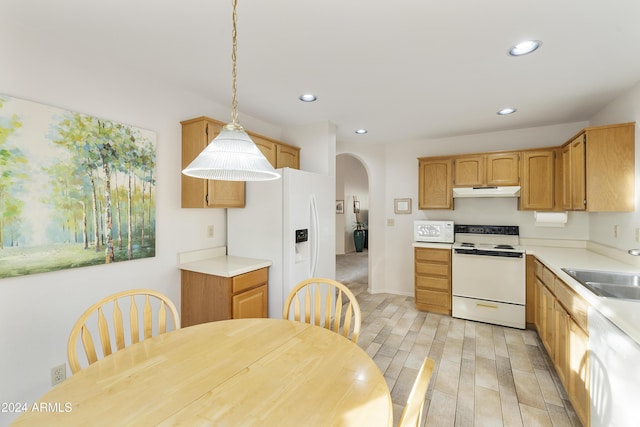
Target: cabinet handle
{"points": [[479, 304]]}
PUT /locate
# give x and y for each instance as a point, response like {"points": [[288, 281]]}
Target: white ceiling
{"points": [[404, 69]]}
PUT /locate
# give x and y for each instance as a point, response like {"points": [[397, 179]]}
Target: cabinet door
{"points": [[251, 303], [502, 169], [577, 174], [561, 342], [579, 371], [288, 157], [566, 177], [547, 321], [537, 183], [268, 148], [610, 168], [469, 171], [434, 184], [202, 193], [204, 298], [538, 306]]}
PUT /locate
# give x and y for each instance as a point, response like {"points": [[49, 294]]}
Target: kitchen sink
{"points": [[609, 284]]}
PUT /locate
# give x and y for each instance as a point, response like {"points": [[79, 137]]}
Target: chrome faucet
{"points": [[634, 252]]}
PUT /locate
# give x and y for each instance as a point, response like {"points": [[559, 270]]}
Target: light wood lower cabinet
{"points": [[207, 298], [561, 321], [432, 268]]}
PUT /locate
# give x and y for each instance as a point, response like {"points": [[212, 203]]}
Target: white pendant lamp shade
{"points": [[232, 156]]}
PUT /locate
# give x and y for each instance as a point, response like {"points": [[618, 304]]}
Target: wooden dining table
{"points": [[244, 372]]}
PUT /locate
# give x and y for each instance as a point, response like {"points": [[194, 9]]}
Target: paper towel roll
{"points": [[550, 219]]}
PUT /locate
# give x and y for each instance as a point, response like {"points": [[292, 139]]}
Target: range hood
{"points": [[509, 191]]}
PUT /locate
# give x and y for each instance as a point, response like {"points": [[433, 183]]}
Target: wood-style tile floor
{"points": [[485, 375]]}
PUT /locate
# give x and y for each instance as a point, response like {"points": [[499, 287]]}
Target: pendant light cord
{"points": [[234, 72]]}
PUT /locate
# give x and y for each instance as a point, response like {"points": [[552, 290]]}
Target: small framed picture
{"points": [[356, 206], [402, 206], [339, 206]]}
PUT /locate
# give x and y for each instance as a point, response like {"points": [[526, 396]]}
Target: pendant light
{"points": [[232, 156]]}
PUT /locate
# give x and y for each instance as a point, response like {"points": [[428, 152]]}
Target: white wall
{"points": [[37, 312], [317, 144]]}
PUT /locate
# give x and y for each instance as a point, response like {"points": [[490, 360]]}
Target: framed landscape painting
{"points": [[75, 190]]}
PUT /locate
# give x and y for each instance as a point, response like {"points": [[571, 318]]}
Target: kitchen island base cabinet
{"points": [[207, 298]]}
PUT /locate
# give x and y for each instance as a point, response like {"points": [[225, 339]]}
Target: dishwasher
{"points": [[614, 373]]}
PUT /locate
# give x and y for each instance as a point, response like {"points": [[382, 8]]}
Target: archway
{"points": [[352, 206]]}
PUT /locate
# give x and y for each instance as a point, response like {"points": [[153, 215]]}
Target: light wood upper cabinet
{"points": [[267, 147], [538, 189], [601, 169], [573, 176], [202, 193], [280, 155], [288, 156], [496, 169], [205, 193], [434, 183], [502, 169], [469, 171]]}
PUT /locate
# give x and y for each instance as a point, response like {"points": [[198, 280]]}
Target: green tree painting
{"points": [[75, 190]]}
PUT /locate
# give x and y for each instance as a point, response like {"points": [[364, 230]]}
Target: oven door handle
{"points": [[482, 252]]}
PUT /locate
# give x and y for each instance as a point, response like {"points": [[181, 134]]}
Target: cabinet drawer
{"points": [[427, 268], [575, 305], [539, 269], [433, 298], [437, 283], [548, 278], [433, 255], [249, 280]]}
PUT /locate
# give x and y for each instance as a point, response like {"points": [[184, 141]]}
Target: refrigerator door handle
{"points": [[315, 234]]}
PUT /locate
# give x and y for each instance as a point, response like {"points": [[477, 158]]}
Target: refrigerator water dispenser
{"points": [[302, 245]]}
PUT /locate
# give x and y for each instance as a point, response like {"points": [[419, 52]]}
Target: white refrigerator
{"points": [[290, 221]]}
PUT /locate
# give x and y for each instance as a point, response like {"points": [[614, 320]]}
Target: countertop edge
{"points": [[225, 266]]}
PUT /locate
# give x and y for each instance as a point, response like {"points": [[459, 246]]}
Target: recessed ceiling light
{"points": [[361, 131], [525, 47], [506, 111], [308, 97]]}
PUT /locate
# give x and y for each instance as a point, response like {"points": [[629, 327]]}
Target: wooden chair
{"points": [[96, 321], [412, 414], [321, 302]]}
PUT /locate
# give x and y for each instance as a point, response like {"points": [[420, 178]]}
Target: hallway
{"points": [[485, 375]]}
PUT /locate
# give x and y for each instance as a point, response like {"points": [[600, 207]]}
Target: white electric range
{"points": [[488, 275]]}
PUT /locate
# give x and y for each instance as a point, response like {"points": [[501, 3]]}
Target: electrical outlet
{"points": [[210, 231], [58, 374]]}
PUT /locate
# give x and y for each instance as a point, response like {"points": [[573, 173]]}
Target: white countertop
{"points": [[215, 262], [625, 314]]}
